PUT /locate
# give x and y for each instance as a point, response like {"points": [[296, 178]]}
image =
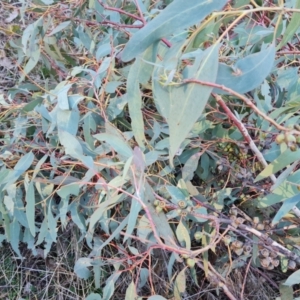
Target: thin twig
{"points": [[217, 280], [245, 278], [243, 98]]}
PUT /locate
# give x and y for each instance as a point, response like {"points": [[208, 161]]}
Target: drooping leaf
{"points": [[110, 285], [191, 104], [135, 101], [291, 28], [15, 230], [30, 208], [179, 14], [190, 167], [162, 93], [131, 292], [179, 285], [144, 274], [247, 73], [183, 236]]}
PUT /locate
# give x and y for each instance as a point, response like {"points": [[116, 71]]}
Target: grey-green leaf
{"points": [[178, 15], [287, 205], [135, 102], [293, 279], [93, 296], [183, 236], [30, 208], [291, 28], [180, 285], [285, 158], [81, 267], [185, 111], [248, 73], [131, 292]]}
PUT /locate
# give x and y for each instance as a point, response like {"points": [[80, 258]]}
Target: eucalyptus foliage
{"points": [[115, 125]]}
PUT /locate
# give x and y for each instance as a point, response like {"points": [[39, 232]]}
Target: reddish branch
{"points": [[243, 98]]}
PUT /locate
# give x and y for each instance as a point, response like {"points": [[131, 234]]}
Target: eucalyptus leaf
{"points": [[180, 14], [247, 73]]}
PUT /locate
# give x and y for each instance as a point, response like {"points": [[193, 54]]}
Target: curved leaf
{"points": [[248, 73], [293, 279], [285, 208], [179, 14]]}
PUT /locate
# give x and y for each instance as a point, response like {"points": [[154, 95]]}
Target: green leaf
{"points": [[32, 62], [59, 28], [287, 157], [133, 215], [135, 102], [30, 208], [81, 267], [291, 28], [62, 97], [286, 292], [180, 285], [116, 143], [286, 206], [68, 120], [22, 165], [139, 73], [109, 289], [183, 236], [180, 14], [160, 220], [247, 73], [204, 68], [93, 296], [15, 230], [131, 292], [293, 279], [162, 94], [190, 167], [144, 275], [102, 207], [32, 104], [73, 148]]}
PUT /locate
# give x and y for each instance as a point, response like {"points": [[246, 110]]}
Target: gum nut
{"points": [[291, 265], [190, 262], [198, 235], [158, 209], [279, 138], [275, 262], [265, 252]]}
